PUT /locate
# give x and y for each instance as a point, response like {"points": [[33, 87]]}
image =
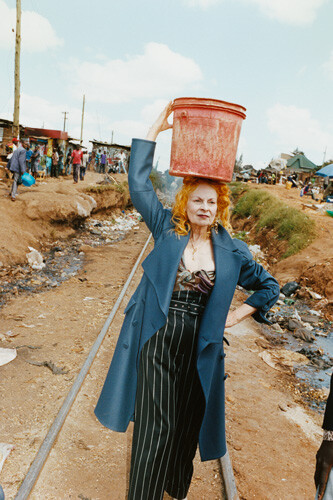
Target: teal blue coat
{"points": [[148, 308]]}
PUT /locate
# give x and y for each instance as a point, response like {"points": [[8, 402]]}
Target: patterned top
{"points": [[198, 281]]}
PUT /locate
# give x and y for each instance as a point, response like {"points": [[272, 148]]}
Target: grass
{"points": [[101, 188], [269, 212]]}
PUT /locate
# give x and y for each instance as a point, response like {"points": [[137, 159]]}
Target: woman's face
{"points": [[202, 205]]}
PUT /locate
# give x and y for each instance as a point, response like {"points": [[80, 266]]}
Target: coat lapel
{"points": [[227, 265], [161, 267]]}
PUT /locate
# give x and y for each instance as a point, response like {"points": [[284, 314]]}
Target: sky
{"points": [[129, 58]]}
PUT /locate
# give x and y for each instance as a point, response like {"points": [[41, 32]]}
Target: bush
{"points": [[269, 212]]}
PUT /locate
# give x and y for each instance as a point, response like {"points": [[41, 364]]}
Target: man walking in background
{"points": [[77, 160], [83, 168], [18, 165], [103, 162]]}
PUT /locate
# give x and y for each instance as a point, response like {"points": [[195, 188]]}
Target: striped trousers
{"points": [[169, 406]]}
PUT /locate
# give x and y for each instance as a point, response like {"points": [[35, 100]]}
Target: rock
{"points": [[290, 288], [293, 324], [304, 334], [277, 328], [308, 318]]}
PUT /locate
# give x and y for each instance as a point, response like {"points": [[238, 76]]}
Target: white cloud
{"points": [[158, 72], [296, 12], [37, 32], [328, 66], [295, 127]]}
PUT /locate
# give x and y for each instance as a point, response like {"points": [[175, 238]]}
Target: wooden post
{"points": [[84, 100], [16, 119], [65, 113]]}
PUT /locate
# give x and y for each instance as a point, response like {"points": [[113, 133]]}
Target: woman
{"points": [[167, 373]]}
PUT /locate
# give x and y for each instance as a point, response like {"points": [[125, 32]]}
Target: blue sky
{"points": [[275, 57]]}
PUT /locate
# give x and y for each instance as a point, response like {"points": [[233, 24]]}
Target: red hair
{"points": [[179, 212]]}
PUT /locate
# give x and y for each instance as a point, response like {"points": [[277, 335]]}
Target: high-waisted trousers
{"points": [[169, 404]]}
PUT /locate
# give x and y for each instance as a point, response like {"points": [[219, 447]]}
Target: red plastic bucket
{"points": [[205, 137]]}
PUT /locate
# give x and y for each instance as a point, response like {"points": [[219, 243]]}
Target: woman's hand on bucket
{"points": [[161, 123]]}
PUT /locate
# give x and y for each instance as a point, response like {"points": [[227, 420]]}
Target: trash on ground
{"points": [[7, 355], [5, 449], [54, 369], [35, 259], [282, 360], [290, 288]]}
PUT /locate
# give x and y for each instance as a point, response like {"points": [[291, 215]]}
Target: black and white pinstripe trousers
{"points": [[169, 406]]}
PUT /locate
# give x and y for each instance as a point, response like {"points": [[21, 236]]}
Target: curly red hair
{"points": [[179, 212]]}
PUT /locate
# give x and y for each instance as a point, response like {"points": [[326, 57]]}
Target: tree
{"points": [[297, 152], [238, 163]]}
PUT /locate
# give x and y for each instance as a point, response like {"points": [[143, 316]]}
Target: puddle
{"points": [[314, 377]]}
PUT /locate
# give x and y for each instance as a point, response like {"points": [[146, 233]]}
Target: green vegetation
{"points": [[269, 212], [101, 188]]}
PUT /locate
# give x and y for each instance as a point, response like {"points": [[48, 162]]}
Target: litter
{"points": [[5, 449], [54, 369], [35, 259], [282, 359], [7, 355]]}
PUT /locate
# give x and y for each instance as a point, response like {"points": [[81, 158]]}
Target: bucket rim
{"points": [[202, 102]]}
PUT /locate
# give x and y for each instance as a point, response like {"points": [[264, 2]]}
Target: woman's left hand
{"points": [[239, 314]]}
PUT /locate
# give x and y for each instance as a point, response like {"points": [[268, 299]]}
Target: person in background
{"points": [[55, 161], [324, 458], [61, 162], [103, 162], [122, 162], [84, 164], [35, 159], [18, 166], [28, 158], [77, 161], [68, 166]]}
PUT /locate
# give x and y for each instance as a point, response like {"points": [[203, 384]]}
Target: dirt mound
{"points": [[318, 277], [50, 210]]}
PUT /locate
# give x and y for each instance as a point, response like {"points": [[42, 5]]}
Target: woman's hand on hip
{"points": [[239, 314], [161, 123]]}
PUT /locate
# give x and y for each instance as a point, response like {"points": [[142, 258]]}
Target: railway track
{"points": [[57, 452]]}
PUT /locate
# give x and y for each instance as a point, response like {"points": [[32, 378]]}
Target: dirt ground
{"points": [[48, 210], [272, 437]]}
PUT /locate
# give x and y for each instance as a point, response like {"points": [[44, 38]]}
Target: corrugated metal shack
{"points": [[112, 151]]}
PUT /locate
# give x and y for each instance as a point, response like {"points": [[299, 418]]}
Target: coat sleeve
{"points": [[141, 189], [328, 418], [255, 278]]}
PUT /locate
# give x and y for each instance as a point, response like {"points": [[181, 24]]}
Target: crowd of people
{"points": [[24, 157]]}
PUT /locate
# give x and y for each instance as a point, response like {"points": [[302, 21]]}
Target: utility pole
{"points": [[112, 137], [16, 119], [84, 100], [65, 113], [324, 155]]}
